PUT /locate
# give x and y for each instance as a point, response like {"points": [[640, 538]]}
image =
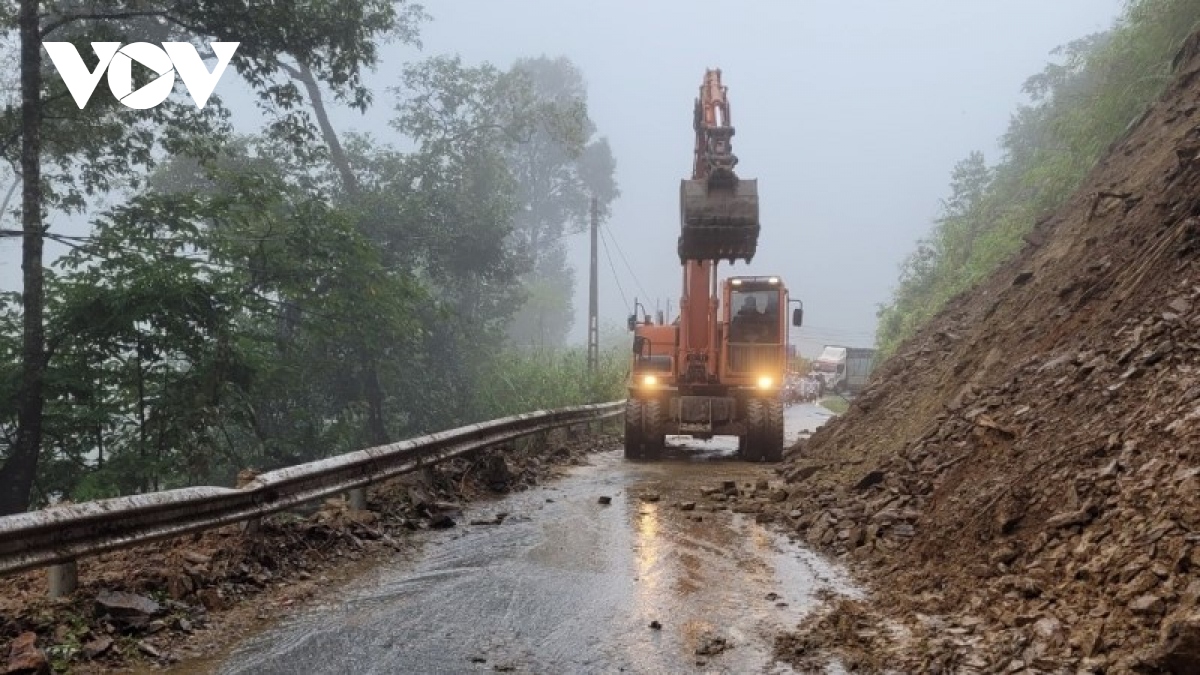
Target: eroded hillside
{"points": [[1028, 465]]}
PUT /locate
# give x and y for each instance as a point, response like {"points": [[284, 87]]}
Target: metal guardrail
{"points": [[61, 535]]}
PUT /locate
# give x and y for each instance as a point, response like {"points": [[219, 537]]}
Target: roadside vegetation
{"points": [[1078, 107], [524, 381], [834, 404], [269, 299]]}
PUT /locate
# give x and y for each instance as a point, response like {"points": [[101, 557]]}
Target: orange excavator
{"points": [[718, 369]]}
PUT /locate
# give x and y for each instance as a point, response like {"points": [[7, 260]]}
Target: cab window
{"points": [[754, 316]]}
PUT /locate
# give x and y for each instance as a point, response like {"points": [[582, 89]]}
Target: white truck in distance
{"points": [[844, 369]]}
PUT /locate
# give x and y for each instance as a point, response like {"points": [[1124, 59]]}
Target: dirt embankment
{"points": [[180, 598], [1022, 481]]}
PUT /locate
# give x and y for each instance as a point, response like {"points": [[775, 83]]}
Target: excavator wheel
{"points": [[633, 429], [764, 442], [654, 435], [748, 445], [772, 439], [718, 223]]}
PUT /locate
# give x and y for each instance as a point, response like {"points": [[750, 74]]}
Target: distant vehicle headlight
{"points": [[649, 380], [765, 382]]}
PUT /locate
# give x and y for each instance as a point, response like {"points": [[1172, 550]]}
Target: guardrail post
{"points": [[358, 499], [244, 478], [62, 579]]}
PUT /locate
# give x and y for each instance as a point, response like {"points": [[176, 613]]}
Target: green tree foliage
{"points": [[67, 154], [1078, 107], [559, 169], [535, 115], [520, 380], [269, 300]]}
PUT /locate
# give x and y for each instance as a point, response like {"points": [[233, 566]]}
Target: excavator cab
{"points": [[756, 333]]}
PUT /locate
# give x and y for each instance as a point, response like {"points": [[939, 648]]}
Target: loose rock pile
{"points": [[1021, 482]]}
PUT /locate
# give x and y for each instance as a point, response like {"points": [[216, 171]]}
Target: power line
{"points": [[613, 268], [621, 253]]}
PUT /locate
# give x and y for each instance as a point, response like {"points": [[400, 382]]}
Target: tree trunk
{"points": [[141, 396], [336, 154], [376, 424], [159, 452], [100, 425], [99, 447], [376, 428], [18, 473]]}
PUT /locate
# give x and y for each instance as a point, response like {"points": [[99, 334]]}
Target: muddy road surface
{"points": [[566, 584]]}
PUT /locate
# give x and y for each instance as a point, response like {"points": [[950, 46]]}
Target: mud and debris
{"points": [[569, 586], [163, 602], [1021, 483], [25, 658], [712, 645]]}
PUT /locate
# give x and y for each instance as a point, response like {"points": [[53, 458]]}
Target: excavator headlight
{"points": [[766, 382], [736, 282], [773, 280], [649, 380]]}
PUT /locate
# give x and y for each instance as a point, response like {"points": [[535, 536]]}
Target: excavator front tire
{"points": [[633, 429], [772, 438], [654, 435], [645, 429], [764, 440]]}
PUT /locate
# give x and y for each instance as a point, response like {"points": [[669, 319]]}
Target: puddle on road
{"points": [[566, 584], [728, 576]]}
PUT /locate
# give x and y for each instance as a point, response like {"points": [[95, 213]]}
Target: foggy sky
{"points": [[850, 115]]}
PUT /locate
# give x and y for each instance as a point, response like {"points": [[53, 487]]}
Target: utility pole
{"points": [[593, 354]]}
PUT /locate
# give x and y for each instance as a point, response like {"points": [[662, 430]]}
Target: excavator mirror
{"points": [[632, 321], [639, 345], [798, 316]]}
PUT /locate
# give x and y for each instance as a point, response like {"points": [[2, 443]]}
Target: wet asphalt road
{"points": [[567, 585]]}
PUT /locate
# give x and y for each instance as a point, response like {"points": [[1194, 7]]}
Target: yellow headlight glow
{"points": [[649, 380], [765, 382]]}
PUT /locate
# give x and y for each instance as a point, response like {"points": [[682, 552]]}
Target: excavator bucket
{"points": [[718, 223]]}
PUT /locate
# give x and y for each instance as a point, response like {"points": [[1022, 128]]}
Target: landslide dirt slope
{"points": [[1032, 457]]}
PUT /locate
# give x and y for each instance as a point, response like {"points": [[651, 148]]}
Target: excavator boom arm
{"points": [[714, 131], [718, 210]]}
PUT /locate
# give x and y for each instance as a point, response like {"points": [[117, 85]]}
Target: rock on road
{"points": [[568, 585]]}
